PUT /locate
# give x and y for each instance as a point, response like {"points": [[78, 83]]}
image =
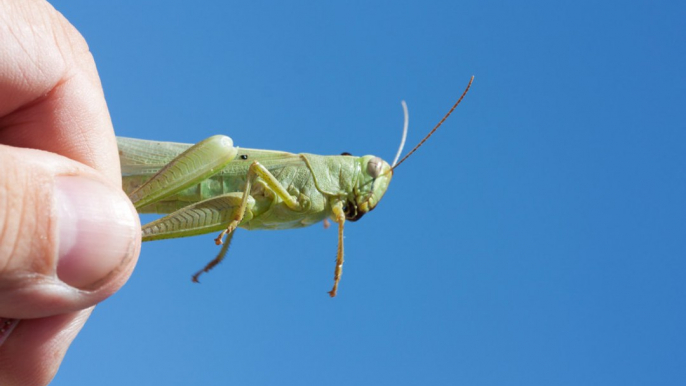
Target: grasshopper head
{"points": [[372, 184], [376, 173]]}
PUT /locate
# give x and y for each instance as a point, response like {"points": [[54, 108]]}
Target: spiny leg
{"points": [[206, 216], [200, 218], [216, 260], [338, 271]]}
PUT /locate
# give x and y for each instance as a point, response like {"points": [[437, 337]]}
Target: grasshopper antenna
{"points": [[402, 140], [395, 165]]}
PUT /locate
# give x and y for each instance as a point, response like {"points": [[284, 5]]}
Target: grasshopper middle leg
{"points": [[257, 170]]}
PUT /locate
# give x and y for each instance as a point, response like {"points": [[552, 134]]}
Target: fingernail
{"points": [[98, 228], [6, 327]]}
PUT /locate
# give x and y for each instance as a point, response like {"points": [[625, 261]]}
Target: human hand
{"points": [[69, 237]]}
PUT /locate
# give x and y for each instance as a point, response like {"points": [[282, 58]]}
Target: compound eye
{"points": [[374, 167]]}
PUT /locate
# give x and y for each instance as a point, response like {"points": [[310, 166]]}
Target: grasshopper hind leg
{"points": [[213, 214], [216, 260]]}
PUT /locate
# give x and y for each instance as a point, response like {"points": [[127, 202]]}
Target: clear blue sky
{"points": [[538, 239]]}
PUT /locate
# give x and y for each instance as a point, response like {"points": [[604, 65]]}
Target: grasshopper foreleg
{"points": [[338, 271]]}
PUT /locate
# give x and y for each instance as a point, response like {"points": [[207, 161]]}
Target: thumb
{"points": [[68, 238]]}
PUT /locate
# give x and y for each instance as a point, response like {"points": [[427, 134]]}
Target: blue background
{"points": [[537, 238]]}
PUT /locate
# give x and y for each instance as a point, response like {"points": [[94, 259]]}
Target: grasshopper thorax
{"points": [[372, 183]]}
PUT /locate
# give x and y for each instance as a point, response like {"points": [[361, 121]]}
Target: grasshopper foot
{"points": [[334, 290], [219, 238], [232, 227], [206, 269]]}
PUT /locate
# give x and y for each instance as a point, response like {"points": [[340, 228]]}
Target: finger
{"points": [[68, 238], [34, 351], [51, 95]]}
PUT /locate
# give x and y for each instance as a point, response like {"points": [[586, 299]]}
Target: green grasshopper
{"points": [[213, 186]]}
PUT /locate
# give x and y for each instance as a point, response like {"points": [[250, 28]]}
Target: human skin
{"points": [[69, 237]]}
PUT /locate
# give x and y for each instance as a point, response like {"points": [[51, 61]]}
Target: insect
{"points": [[213, 186]]}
